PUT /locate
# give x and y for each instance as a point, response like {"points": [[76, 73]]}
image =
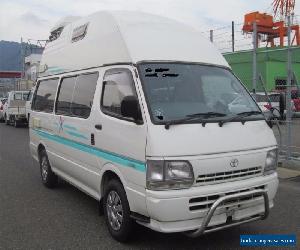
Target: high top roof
{"points": [[126, 37]]}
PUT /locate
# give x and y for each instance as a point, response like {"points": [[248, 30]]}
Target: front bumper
{"points": [[235, 203]]}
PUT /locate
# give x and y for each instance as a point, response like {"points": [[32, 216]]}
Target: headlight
{"points": [[271, 161], [164, 175]]}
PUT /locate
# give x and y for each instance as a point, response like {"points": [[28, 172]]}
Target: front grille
{"points": [[205, 202], [235, 175]]}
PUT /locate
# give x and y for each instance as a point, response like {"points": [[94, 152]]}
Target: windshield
{"points": [[175, 91]]}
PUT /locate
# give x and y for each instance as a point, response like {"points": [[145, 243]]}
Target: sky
{"points": [[32, 19]]}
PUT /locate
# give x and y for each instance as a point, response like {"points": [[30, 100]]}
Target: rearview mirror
{"points": [[130, 108]]}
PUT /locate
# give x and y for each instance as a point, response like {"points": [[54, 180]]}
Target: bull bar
{"points": [[203, 228]]}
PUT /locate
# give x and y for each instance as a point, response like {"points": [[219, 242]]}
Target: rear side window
{"points": [[63, 105], [45, 95], [76, 95], [117, 84], [83, 95]]}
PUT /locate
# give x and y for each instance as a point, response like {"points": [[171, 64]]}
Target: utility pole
{"points": [[288, 92], [22, 59], [232, 36], [254, 66]]}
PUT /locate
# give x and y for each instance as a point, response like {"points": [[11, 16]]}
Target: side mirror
{"points": [[130, 108]]}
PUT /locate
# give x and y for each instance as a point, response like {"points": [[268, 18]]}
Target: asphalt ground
{"points": [[34, 217]]}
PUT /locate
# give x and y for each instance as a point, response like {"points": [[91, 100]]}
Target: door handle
{"points": [[98, 126]]}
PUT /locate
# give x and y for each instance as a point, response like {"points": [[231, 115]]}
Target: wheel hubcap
{"points": [[44, 168], [114, 210]]}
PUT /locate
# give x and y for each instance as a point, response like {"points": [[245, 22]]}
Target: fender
{"points": [[136, 199], [113, 168]]}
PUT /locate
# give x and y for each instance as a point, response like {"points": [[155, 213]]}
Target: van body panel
{"points": [[132, 37], [194, 139], [122, 138], [74, 138]]}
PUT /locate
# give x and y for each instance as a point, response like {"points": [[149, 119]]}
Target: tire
{"points": [[49, 179], [16, 123], [117, 211]]}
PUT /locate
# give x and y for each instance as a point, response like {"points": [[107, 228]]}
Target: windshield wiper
{"points": [[201, 117], [207, 114], [240, 116]]}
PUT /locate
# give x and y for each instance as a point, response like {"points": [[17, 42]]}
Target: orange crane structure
{"points": [[268, 29]]}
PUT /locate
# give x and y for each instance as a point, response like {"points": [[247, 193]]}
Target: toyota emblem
{"points": [[234, 163]]}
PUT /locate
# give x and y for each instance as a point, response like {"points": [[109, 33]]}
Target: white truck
{"points": [[14, 108]]}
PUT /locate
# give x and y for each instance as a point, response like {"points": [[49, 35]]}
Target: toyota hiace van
{"points": [[146, 116]]}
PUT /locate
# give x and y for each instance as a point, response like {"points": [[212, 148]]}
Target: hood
{"points": [[194, 139]]}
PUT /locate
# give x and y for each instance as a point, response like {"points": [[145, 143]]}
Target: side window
{"points": [[117, 84], [64, 100], [45, 95], [83, 95], [79, 32]]}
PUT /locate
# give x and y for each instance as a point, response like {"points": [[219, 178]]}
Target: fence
{"points": [[275, 69], [286, 146]]}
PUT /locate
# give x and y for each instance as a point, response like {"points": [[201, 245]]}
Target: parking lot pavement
{"points": [[33, 217]]}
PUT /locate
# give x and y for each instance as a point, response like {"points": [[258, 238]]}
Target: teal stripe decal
{"points": [[70, 127], [122, 160], [55, 69], [77, 135]]}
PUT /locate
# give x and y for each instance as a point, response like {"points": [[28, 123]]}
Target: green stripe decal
{"points": [[122, 160]]}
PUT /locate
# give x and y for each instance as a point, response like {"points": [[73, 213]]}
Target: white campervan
{"points": [[143, 114]]}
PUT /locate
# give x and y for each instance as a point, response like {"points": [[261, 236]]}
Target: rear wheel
{"points": [[49, 179], [16, 123], [117, 211]]}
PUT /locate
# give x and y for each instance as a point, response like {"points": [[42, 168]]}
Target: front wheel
{"points": [[117, 211]]}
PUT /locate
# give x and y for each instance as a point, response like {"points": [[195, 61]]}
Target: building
{"points": [[32, 63], [271, 65], [31, 69]]}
